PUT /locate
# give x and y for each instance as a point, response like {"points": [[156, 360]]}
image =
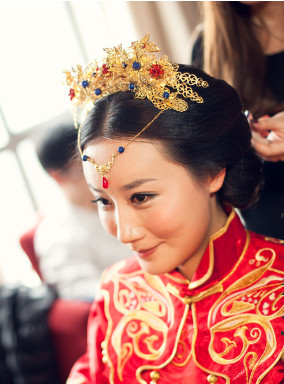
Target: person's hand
{"points": [[268, 137]]}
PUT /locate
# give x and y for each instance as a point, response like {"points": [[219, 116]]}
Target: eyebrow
{"points": [[126, 187], [136, 183], [94, 189]]}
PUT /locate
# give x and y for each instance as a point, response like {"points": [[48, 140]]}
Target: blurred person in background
{"points": [[243, 43], [70, 243]]}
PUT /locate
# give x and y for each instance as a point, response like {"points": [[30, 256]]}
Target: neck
{"points": [[268, 18]]}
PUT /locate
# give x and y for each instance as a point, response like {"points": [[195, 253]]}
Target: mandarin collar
{"points": [[223, 251]]}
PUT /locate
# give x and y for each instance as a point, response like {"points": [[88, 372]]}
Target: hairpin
{"points": [[137, 70]]}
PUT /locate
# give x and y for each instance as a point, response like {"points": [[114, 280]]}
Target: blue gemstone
{"points": [[166, 95], [85, 157], [98, 91], [136, 65], [131, 86], [85, 83], [120, 149], [124, 65]]}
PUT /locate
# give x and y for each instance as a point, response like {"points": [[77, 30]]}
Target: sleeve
{"points": [[89, 369]]}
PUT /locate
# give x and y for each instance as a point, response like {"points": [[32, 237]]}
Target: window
{"points": [[39, 39]]}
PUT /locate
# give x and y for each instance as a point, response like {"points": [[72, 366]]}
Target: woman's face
{"points": [[154, 206]]}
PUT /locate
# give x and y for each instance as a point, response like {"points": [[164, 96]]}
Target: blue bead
{"points": [[136, 65], [124, 65], [120, 149], [131, 86], [98, 91], [85, 83], [166, 95], [85, 157]]}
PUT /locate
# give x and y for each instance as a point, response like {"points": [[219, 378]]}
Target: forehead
{"points": [[140, 159]]}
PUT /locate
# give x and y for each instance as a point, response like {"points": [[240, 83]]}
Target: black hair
{"points": [[56, 148], [206, 138]]}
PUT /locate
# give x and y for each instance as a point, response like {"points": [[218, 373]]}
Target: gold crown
{"points": [[135, 69]]}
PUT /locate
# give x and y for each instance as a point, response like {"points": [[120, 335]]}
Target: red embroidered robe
{"points": [[225, 326]]}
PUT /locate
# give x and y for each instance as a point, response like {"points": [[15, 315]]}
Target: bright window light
{"points": [[37, 41]]}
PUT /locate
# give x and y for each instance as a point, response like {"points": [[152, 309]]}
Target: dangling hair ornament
{"points": [[135, 69]]}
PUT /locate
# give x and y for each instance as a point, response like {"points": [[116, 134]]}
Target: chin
{"points": [[152, 269]]}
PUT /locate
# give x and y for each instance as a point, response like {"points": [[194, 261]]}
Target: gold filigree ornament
{"points": [[135, 69]]}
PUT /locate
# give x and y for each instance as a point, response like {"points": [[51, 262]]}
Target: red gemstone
{"points": [[156, 71], [71, 93], [105, 183], [105, 70]]}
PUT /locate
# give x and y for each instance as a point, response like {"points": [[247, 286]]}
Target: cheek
{"points": [[186, 213], [164, 219]]}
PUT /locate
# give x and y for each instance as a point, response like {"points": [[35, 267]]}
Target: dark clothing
{"points": [[267, 215], [26, 351]]}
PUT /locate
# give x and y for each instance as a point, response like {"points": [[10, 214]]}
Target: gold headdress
{"points": [[138, 70]]}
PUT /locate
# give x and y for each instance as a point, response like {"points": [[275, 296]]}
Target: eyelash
{"points": [[148, 196], [100, 200]]}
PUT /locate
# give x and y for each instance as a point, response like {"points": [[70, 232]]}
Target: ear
{"points": [[217, 181]]}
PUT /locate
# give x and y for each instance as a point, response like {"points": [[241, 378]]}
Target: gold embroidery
{"points": [[200, 296], [277, 271], [250, 277], [197, 283], [143, 303], [268, 303], [108, 334], [271, 367], [229, 345], [248, 337], [177, 279], [148, 367], [240, 306], [240, 258], [183, 353], [195, 327], [261, 296], [273, 240], [244, 281]]}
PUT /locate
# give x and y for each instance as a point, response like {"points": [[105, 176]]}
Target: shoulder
{"points": [[264, 247]]}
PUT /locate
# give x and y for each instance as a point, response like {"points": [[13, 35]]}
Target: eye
{"points": [[101, 201], [141, 198]]}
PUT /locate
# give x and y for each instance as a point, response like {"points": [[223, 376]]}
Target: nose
{"points": [[128, 226]]}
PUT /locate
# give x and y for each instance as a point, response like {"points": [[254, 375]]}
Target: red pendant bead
{"points": [[105, 183], [71, 93]]}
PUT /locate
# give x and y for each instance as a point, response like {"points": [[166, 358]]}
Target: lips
{"points": [[143, 253]]}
